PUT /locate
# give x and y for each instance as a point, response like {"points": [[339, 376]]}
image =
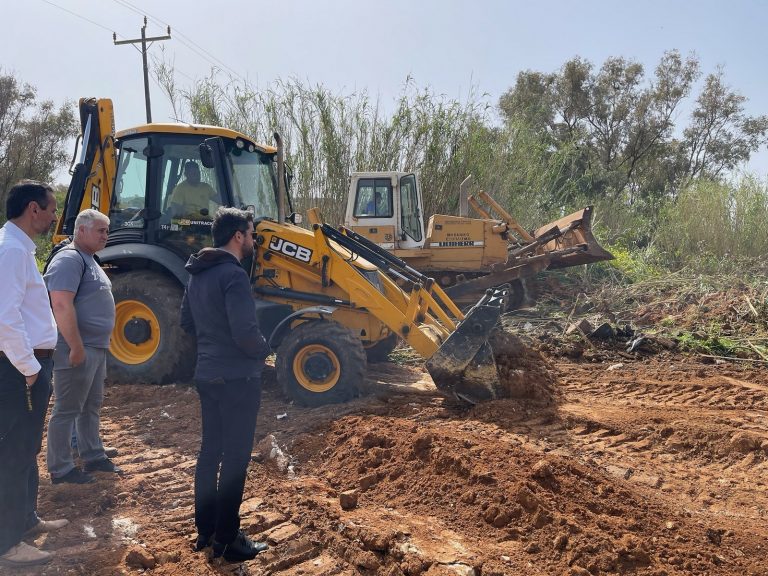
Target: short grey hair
{"points": [[88, 217]]}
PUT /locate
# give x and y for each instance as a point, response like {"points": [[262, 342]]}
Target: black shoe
{"points": [[203, 541], [74, 476], [109, 452], [103, 465], [240, 549]]}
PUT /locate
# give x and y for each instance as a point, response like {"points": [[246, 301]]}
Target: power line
{"points": [[115, 36], [183, 39], [81, 17]]}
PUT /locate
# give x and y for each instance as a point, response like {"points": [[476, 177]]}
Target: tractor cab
{"points": [[169, 184], [385, 207]]}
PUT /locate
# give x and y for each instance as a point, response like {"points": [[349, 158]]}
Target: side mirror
{"points": [[206, 155], [295, 218]]}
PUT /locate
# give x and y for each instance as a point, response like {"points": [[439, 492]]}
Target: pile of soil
{"points": [[522, 370]]}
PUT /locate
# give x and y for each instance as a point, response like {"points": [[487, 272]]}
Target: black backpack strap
{"points": [[85, 268], [68, 245]]}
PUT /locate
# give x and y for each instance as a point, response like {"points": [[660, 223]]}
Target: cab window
{"points": [[373, 198], [190, 190], [410, 219], [128, 201]]}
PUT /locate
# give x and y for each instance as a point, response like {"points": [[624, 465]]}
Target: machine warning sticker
{"points": [[301, 253]]}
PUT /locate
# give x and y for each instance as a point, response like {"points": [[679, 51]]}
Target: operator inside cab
{"points": [[191, 197], [377, 206]]}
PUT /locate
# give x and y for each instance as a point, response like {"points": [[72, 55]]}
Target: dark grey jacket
{"points": [[218, 308]]}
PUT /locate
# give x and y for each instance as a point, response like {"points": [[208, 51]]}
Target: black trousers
{"points": [[229, 409], [21, 437]]}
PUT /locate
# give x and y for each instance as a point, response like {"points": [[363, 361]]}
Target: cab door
{"points": [[128, 208], [411, 232]]}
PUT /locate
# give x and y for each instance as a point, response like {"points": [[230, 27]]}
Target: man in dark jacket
{"points": [[218, 308]]}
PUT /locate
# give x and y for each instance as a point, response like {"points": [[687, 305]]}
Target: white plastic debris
{"points": [[271, 450]]}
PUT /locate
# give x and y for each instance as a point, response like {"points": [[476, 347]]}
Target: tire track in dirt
{"points": [[694, 434]]}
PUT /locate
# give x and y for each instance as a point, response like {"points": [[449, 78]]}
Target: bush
{"points": [[714, 225]]}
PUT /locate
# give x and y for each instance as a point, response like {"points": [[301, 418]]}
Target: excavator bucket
{"points": [[464, 364], [576, 232]]}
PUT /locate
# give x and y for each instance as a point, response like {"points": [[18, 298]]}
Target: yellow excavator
{"points": [[326, 300], [465, 255]]}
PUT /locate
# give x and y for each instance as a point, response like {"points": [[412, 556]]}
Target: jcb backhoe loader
{"points": [[465, 255], [324, 298]]}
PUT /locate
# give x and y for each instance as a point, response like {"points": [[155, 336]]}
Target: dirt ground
{"points": [[645, 464]]}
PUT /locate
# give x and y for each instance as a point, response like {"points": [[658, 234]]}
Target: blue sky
{"points": [[64, 47]]}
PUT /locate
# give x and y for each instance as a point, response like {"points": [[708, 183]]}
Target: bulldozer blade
{"points": [[579, 233], [464, 365]]}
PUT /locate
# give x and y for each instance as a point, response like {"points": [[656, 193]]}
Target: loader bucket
{"points": [[579, 233], [464, 365]]}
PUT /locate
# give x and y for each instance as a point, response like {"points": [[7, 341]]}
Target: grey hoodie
{"points": [[218, 308]]}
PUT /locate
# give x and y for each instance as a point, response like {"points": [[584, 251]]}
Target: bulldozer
{"points": [[465, 255], [326, 300]]}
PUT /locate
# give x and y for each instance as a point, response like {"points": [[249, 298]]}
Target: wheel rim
{"points": [[136, 336], [316, 368]]}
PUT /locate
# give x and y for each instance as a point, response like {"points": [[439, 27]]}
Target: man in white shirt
{"points": [[27, 339]]}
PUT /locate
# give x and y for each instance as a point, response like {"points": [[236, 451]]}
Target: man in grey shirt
{"points": [[82, 302]]}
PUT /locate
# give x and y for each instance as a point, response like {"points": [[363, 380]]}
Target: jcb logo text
{"points": [[290, 249]]}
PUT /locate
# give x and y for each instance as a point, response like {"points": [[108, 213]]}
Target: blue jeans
{"points": [[21, 437], [229, 409], [78, 396]]}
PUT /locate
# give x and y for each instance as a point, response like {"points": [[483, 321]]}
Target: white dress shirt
{"points": [[26, 319]]}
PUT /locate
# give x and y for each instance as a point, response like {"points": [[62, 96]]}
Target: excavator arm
{"points": [[455, 345], [93, 174]]}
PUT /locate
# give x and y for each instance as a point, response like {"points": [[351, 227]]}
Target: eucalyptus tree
{"points": [[34, 135], [621, 127]]}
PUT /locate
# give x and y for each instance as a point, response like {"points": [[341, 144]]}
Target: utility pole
{"points": [[143, 40]]}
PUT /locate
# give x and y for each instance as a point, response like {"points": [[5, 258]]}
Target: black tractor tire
{"points": [[379, 352], [148, 345], [320, 362]]}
